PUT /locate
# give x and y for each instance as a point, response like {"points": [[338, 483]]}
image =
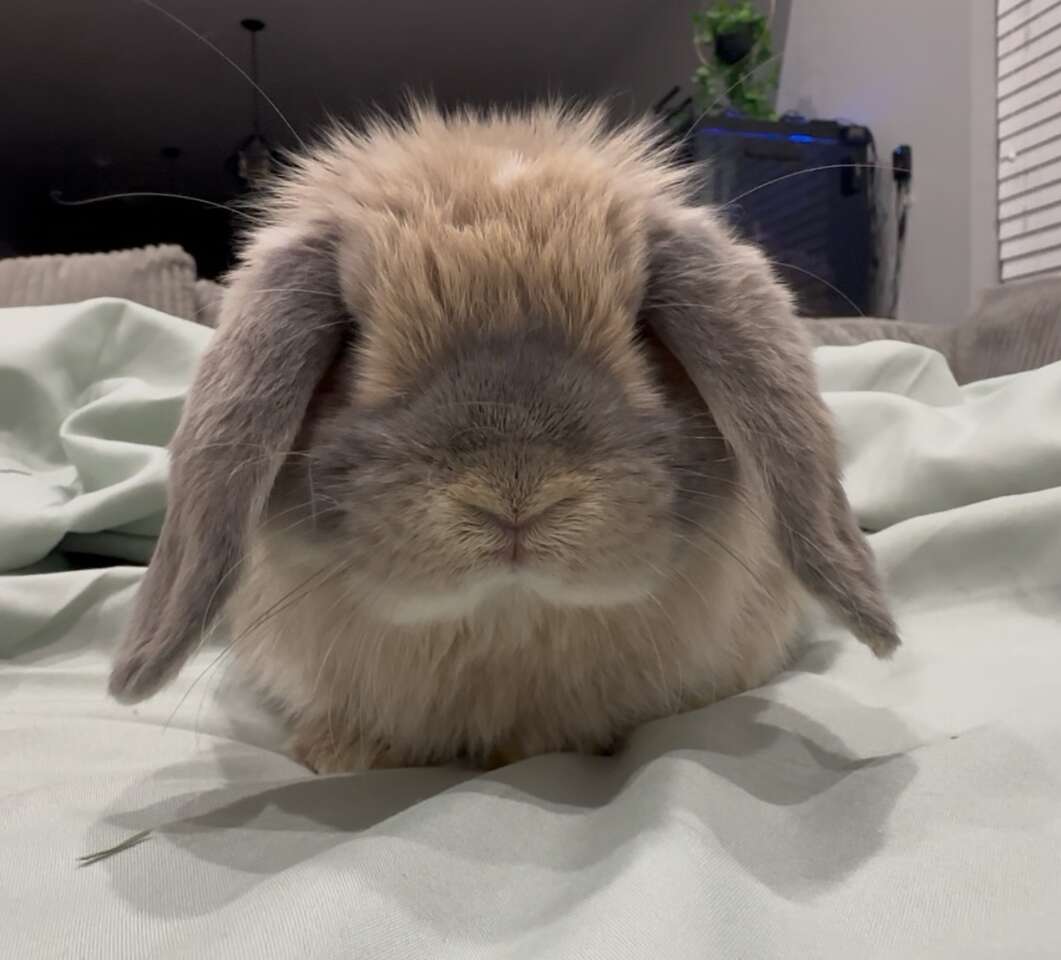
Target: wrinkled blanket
{"points": [[852, 808]]}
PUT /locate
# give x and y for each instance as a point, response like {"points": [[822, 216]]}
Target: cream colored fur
{"points": [[455, 221], [517, 676]]}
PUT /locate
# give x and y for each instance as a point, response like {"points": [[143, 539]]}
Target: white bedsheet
{"points": [[851, 808]]}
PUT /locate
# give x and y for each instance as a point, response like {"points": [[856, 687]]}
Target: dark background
{"points": [[94, 89]]}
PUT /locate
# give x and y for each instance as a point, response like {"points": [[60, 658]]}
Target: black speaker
{"points": [[806, 192]]}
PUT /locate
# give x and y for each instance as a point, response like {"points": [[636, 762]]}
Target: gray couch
{"points": [[163, 277], [1017, 326]]}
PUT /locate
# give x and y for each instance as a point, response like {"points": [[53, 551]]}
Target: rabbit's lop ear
{"points": [[282, 324], [716, 306]]}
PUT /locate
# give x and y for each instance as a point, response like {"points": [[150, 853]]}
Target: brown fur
{"points": [[538, 452], [466, 223]]}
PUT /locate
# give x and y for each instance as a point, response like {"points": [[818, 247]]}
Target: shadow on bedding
{"points": [[753, 778]]}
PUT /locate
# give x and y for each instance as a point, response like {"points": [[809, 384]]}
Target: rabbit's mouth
{"points": [[512, 586]]}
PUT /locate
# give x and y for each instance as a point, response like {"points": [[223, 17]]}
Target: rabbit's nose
{"points": [[509, 528], [515, 528]]}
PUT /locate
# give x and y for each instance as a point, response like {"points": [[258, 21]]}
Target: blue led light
{"points": [[769, 135]]}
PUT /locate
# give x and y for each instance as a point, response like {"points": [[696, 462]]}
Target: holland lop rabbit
{"points": [[502, 447]]}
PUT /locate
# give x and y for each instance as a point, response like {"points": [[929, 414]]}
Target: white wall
{"points": [[983, 149], [918, 72]]}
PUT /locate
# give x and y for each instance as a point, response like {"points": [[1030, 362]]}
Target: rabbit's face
{"points": [[506, 422], [516, 461]]}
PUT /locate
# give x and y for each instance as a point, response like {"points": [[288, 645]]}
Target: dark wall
{"points": [[33, 223]]}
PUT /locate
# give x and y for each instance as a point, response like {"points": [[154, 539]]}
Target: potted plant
{"points": [[737, 69]]}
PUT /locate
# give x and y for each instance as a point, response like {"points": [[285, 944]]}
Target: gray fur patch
{"points": [[718, 309], [282, 323]]}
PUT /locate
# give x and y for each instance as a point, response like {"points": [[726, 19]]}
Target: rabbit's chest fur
{"points": [[516, 676]]}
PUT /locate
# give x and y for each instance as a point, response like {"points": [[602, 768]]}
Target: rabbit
{"points": [[503, 446]]}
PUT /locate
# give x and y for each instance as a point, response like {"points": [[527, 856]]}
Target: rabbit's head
{"points": [[471, 355]]}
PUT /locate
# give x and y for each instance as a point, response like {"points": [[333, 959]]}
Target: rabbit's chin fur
{"points": [[506, 669]]}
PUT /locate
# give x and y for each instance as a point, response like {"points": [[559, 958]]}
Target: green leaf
{"points": [[747, 86]]}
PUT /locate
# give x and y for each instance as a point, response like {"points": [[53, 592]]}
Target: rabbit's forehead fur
{"points": [[484, 225]]}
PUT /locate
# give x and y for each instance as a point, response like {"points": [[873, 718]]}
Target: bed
{"points": [[850, 808]]}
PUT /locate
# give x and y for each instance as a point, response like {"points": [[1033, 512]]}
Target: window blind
{"points": [[1029, 137]]}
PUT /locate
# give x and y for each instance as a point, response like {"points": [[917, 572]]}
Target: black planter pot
{"points": [[734, 45]]}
